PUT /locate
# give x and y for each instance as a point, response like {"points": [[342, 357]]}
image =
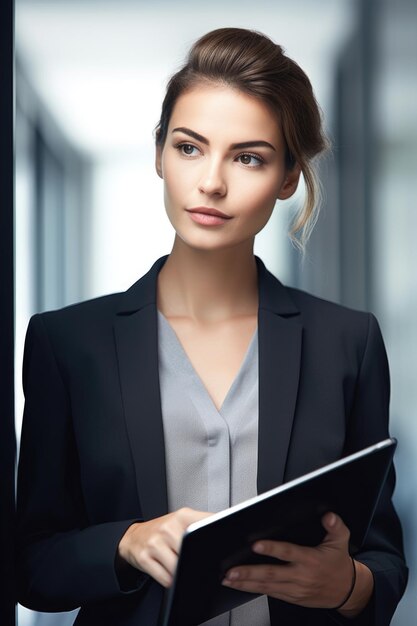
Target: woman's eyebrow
{"points": [[191, 133], [234, 146]]}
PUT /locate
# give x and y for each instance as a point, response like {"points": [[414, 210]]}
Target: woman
{"points": [[207, 381]]}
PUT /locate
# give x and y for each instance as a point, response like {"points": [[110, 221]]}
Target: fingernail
{"points": [[259, 547], [332, 519], [232, 575]]}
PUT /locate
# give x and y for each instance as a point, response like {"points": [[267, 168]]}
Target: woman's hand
{"points": [[153, 546], [318, 577]]}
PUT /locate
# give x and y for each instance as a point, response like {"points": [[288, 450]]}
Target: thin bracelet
{"points": [[352, 587]]}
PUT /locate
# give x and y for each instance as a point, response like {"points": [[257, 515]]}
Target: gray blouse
{"points": [[211, 455]]}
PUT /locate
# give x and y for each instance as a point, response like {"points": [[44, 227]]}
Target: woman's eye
{"points": [[252, 160], [187, 149]]}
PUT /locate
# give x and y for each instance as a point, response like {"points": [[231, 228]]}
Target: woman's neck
{"points": [[208, 286]]}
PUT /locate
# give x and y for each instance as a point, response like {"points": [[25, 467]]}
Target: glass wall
{"points": [[394, 250]]}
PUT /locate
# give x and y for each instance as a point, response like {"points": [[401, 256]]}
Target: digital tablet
{"points": [[291, 512]]}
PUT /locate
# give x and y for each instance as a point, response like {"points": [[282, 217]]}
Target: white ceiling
{"points": [[101, 66]]}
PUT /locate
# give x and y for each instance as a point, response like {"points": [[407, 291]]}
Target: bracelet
{"points": [[352, 587]]}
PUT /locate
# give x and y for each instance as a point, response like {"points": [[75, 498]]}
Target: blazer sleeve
{"points": [[383, 550], [62, 560]]}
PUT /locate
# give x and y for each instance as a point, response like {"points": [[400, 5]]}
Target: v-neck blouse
{"points": [[211, 454]]}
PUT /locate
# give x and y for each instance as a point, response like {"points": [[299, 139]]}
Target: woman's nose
{"points": [[213, 180]]}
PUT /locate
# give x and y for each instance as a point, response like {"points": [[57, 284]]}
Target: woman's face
{"points": [[223, 166]]}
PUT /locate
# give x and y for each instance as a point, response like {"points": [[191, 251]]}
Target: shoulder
{"points": [[310, 310], [316, 308], [99, 313], [73, 329], [101, 306], [96, 311], [334, 324], [324, 323], [290, 301]]}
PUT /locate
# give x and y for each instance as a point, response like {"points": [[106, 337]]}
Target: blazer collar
{"points": [[136, 336], [273, 296], [143, 291]]}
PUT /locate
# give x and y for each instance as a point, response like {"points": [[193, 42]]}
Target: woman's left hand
{"points": [[318, 577]]}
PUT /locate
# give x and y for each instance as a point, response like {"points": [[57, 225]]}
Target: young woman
{"points": [[207, 381]]}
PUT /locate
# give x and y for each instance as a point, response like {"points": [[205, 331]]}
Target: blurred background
{"points": [[90, 79]]}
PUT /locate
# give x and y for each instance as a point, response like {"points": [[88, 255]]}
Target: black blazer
{"points": [[92, 447]]}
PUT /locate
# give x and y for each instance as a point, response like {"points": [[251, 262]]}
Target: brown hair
{"points": [[252, 63]]}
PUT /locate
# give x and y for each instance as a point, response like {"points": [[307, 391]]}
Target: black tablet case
{"points": [[291, 512]]}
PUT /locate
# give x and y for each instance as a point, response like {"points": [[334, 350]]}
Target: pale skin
{"points": [[208, 291]]}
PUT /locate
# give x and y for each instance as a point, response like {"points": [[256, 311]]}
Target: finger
{"points": [[283, 550], [265, 573], [173, 527], [168, 559], [336, 529], [281, 590], [189, 516], [288, 592], [156, 550], [252, 586], [171, 533], [159, 573]]}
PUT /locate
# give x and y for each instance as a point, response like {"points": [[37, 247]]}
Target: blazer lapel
{"points": [[280, 339], [136, 335]]}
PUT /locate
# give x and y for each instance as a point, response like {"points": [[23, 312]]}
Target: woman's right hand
{"points": [[153, 546]]}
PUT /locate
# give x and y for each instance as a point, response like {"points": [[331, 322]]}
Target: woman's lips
{"points": [[208, 216]]}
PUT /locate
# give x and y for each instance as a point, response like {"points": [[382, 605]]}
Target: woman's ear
{"points": [[158, 160], [290, 183]]}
